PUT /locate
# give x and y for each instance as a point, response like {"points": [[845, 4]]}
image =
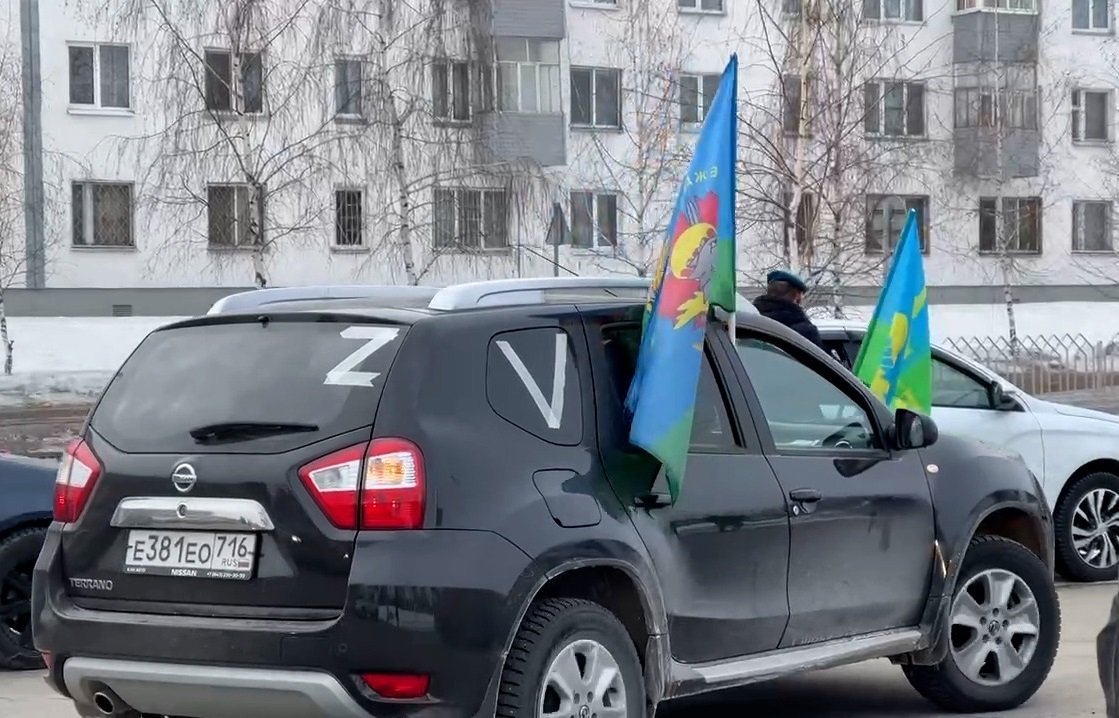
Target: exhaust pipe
{"points": [[110, 704], [104, 703]]}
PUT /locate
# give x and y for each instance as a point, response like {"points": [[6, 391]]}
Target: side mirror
{"points": [[1000, 400], [913, 430]]}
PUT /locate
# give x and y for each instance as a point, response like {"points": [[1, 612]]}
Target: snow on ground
{"points": [[63, 360], [60, 360]]}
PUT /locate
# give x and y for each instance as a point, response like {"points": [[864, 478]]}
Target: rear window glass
{"points": [[532, 381], [327, 375]]}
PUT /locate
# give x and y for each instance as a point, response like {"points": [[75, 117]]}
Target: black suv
{"points": [[370, 502]]}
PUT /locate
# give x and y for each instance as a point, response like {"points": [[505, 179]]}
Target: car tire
{"points": [[955, 684], [1066, 520], [555, 633], [18, 553]]}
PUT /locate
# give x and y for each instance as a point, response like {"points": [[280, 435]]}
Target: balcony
{"points": [[977, 152], [543, 19], [982, 36], [536, 137]]}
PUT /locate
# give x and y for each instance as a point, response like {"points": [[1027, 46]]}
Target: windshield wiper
{"points": [[231, 430]]}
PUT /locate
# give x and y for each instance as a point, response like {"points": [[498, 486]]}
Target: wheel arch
{"points": [[1104, 466], [625, 590], [23, 523], [1017, 522]]}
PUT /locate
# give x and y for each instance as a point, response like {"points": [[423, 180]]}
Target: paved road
{"points": [[874, 690]]}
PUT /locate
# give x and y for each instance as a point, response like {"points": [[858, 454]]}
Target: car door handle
{"points": [[805, 496]]}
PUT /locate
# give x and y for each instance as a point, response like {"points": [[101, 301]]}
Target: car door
{"points": [[862, 534], [963, 405], [721, 551]]}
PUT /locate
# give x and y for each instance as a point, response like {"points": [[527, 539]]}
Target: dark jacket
{"points": [[790, 314]]}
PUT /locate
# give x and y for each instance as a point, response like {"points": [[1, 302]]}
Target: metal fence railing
{"points": [[1046, 364]]}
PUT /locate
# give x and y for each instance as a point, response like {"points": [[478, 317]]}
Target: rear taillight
{"points": [[372, 486], [77, 475]]}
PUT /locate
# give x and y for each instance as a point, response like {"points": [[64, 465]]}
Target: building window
{"points": [[1014, 226], [697, 92], [1029, 6], [348, 226], [232, 223], [1091, 226], [1091, 115], [101, 214], [903, 10], [347, 87], [219, 82], [450, 85], [470, 219], [804, 229], [700, 5], [595, 94], [594, 219], [885, 220], [528, 75], [99, 76], [988, 107], [1091, 14], [894, 109], [793, 104]]}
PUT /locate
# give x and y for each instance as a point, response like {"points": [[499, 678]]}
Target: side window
{"points": [[532, 381], [837, 348], [711, 426], [803, 408], [954, 388]]}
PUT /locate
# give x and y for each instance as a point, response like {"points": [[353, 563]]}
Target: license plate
{"points": [[191, 554]]}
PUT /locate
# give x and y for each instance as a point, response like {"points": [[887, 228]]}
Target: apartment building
{"points": [[250, 142]]}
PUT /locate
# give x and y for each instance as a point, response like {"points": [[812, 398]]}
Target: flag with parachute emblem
{"points": [[895, 359], [696, 270]]}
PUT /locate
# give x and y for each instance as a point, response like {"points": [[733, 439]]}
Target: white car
{"points": [[1074, 452]]}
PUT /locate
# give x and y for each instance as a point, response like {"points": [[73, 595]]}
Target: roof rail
{"points": [[499, 292], [256, 298], [490, 293]]}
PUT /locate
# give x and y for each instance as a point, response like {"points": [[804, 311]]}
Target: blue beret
{"points": [[780, 275]]}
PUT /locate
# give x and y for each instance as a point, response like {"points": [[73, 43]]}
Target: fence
{"points": [[1046, 364]]}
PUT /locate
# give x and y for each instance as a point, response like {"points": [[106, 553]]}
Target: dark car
{"points": [[26, 489], [313, 504]]}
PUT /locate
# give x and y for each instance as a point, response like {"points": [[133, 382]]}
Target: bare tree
{"points": [[830, 150], [12, 252], [1016, 130], [633, 122], [271, 121]]}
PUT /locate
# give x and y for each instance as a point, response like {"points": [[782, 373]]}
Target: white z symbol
{"points": [[343, 374], [553, 412]]}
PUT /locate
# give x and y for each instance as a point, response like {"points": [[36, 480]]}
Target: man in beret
{"points": [[781, 302]]}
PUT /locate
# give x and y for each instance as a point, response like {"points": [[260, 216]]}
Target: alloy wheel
{"points": [[995, 626], [1095, 528], [15, 605], [583, 681]]}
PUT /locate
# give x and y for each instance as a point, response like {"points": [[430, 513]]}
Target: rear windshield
{"points": [[324, 377]]}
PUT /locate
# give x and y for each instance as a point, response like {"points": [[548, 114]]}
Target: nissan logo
{"points": [[184, 477]]}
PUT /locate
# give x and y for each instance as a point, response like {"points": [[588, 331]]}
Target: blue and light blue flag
{"points": [[696, 269], [895, 359]]}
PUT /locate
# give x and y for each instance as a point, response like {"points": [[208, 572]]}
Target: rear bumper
{"points": [[437, 603], [211, 691]]}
